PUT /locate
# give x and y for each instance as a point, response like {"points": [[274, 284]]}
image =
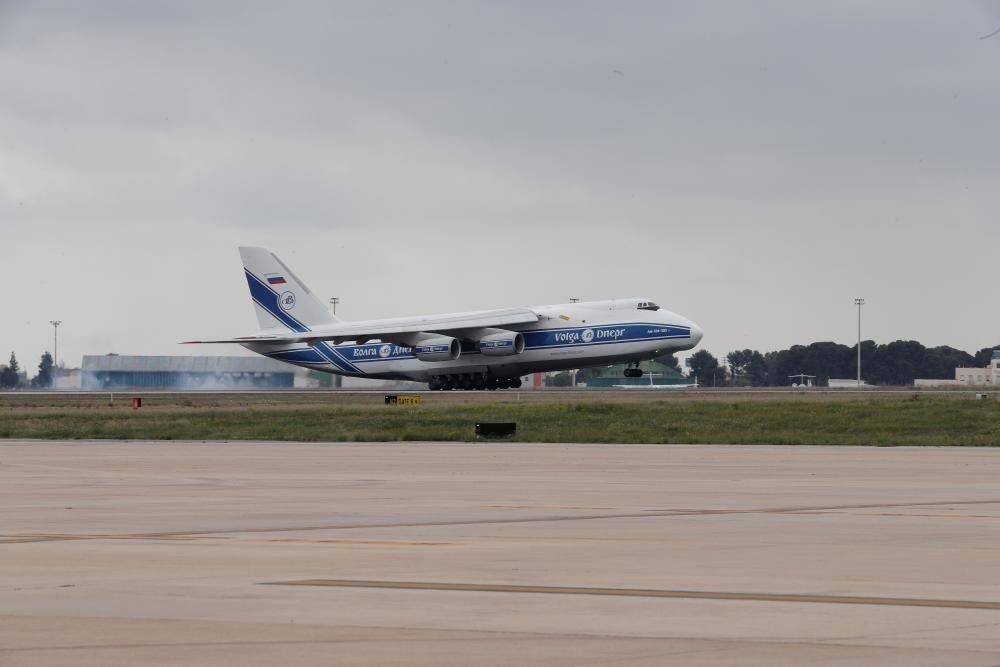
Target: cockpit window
{"points": [[648, 305]]}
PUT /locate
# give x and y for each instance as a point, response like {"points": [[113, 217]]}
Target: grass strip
{"points": [[903, 421]]}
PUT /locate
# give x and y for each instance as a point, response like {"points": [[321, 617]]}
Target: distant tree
{"points": [[705, 369], [747, 367], [826, 360], [9, 377], [756, 370], [823, 360], [669, 360], [784, 363], [738, 361], [44, 378], [984, 356], [896, 363], [940, 362]]}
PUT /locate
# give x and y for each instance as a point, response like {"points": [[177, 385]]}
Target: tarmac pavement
{"points": [[212, 553]]}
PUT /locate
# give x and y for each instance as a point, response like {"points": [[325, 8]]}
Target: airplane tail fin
{"points": [[280, 299]]}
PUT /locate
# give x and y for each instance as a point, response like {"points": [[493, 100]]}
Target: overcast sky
{"points": [[752, 166]]}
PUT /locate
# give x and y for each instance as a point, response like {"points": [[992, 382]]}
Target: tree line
{"points": [[10, 376], [895, 363]]}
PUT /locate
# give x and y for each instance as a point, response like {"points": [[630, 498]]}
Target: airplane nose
{"points": [[696, 334]]}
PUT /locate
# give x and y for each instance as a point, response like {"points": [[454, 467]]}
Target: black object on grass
{"points": [[495, 429]]}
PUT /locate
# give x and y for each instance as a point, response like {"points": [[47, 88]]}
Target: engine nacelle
{"points": [[501, 343], [437, 348]]}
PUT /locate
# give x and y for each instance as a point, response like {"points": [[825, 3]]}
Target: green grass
{"points": [[924, 420]]}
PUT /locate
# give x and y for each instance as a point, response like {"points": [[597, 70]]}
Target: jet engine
{"points": [[500, 342], [437, 348]]}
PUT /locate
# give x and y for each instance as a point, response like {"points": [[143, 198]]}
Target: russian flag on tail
{"points": [[276, 280]]}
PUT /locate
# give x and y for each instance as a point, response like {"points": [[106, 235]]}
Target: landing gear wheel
{"points": [[467, 382], [433, 383], [491, 383], [515, 383], [479, 382], [503, 383]]}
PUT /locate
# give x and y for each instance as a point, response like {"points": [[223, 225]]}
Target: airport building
{"points": [[847, 383], [654, 373], [989, 376], [113, 371]]}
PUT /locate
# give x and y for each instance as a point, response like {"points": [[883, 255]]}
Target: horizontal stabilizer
{"points": [[260, 338]]}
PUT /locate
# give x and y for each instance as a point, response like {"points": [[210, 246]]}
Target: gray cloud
{"points": [[752, 166]]}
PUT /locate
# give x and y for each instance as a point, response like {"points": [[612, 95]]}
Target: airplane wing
{"points": [[451, 324]]}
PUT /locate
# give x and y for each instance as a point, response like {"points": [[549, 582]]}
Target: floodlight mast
{"points": [[55, 346], [859, 302]]}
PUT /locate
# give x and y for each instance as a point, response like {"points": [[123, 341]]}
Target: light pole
{"points": [[334, 300], [859, 302], [55, 346]]}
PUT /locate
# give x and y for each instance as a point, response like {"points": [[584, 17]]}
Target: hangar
{"points": [[113, 371], [654, 373]]}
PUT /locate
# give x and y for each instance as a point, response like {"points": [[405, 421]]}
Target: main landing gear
{"points": [[631, 372], [472, 381]]}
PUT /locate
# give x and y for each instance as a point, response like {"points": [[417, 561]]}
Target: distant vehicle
{"points": [[487, 349]]}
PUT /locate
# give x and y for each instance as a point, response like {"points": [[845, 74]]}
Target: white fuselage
{"points": [[573, 335]]}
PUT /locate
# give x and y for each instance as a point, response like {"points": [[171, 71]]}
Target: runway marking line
{"points": [[359, 542], [641, 593], [646, 513]]}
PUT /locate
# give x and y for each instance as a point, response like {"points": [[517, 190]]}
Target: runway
{"points": [[456, 554]]}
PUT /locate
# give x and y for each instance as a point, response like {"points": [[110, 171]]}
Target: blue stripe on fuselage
{"points": [[601, 335], [305, 355], [336, 357], [344, 357]]}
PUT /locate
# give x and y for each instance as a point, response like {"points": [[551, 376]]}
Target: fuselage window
{"points": [[648, 305]]}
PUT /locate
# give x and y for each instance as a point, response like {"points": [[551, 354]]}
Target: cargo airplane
{"points": [[486, 349]]}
